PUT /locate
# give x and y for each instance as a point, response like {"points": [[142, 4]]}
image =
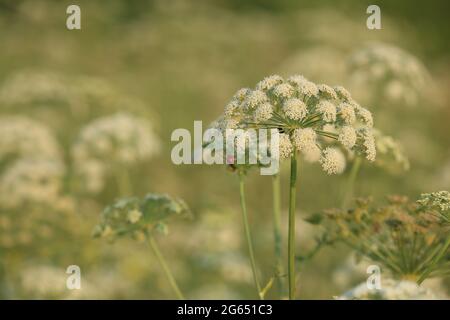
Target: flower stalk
{"points": [[277, 235], [248, 233], [350, 184], [165, 267], [291, 236]]}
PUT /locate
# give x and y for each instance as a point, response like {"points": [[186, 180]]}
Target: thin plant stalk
{"points": [[436, 260], [350, 184], [165, 267], [277, 235], [291, 235], [248, 233]]}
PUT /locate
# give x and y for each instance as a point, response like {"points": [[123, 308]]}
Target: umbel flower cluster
{"points": [[23, 137], [438, 203], [137, 217], [407, 238], [31, 163], [307, 116], [396, 75], [83, 96], [110, 142]]}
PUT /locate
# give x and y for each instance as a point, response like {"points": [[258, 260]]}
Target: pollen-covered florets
{"points": [[304, 138], [342, 93], [255, 98], [328, 111], [364, 115], [326, 91], [269, 82], [232, 108], [348, 137], [285, 146], [368, 143], [332, 161], [241, 94], [283, 91], [347, 113], [295, 109], [304, 86], [263, 112]]}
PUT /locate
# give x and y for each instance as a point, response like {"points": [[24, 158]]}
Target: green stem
{"points": [[436, 260], [277, 236], [164, 265], [248, 233], [350, 186], [291, 237]]}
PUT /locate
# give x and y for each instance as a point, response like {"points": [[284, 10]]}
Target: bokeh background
{"points": [[168, 63]]}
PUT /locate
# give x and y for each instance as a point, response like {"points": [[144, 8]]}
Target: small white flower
{"points": [[303, 85], [347, 113], [333, 161], [342, 93], [134, 216], [231, 108], [241, 94], [347, 137], [283, 91], [285, 146], [328, 111], [327, 91], [365, 116], [255, 98], [269, 82], [263, 112], [295, 109], [304, 139], [368, 143]]}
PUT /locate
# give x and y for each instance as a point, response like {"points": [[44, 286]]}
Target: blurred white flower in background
{"points": [[390, 73], [120, 139], [31, 181], [391, 290], [23, 137]]}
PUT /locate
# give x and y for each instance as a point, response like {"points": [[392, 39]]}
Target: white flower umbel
{"points": [[22, 137], [119, 140], [389, 73], [31, 181], [297, 106]]}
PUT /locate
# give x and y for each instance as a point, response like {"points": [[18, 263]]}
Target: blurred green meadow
{"points": [[145, 68]]}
